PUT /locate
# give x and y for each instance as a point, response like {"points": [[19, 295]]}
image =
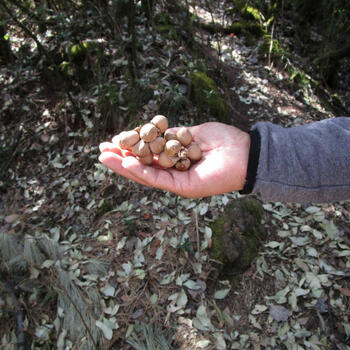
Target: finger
{"points": [[109, 147], [132, 169], [114, 162]]}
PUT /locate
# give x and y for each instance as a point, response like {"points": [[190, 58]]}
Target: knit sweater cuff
{"points": [[254, 154]]}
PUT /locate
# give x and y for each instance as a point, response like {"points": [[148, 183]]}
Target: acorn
{"points": [[170, 135], [129, 138], [184, 136], [165, 161], [157, 146], [148, 132], [148, 160], [194, 152], [160, 122], [183, 164], [172, 148], [141, 149], [183, 153]]}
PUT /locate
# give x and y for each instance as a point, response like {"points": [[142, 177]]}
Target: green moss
{"points": [[66, 68], [254, 208], [168, 30], [245, 28], [237, 236], [207, 97], [104, 207], [163, 18], [252, 13]]}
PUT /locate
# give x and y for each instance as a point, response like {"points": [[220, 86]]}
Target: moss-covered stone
{"points": [[237, 236], [104, 207], [207, 97]]}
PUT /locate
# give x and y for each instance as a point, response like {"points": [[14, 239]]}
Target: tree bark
{"points": [[6, 55]]}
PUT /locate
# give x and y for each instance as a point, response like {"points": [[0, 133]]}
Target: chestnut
{"points": [[148, 132]]}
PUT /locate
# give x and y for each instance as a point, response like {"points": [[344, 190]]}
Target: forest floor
{"points": [[97, 256]]}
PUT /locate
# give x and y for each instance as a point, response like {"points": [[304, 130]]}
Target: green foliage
{"points": [[277, 52], [168, 30], [207, 97], [163, 18], [251, 13]]}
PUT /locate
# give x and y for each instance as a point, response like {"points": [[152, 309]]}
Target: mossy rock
{"points": [[237, 236], [246, 28], [104, 207], [207, 97]]}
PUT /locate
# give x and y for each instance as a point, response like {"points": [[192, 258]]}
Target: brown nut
{"points": [[157, 146], [160, 122], [194, 152], [172, 148], [129, 138], [170, 135], [148, 160], [141, 149], [148, 132], [184, 136], [165, 161], [183, 164]]}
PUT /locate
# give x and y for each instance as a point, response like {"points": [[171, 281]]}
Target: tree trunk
{"points": [[6, 55]]}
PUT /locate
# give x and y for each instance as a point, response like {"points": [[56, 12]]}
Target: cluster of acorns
{"points": [[172, 149]]}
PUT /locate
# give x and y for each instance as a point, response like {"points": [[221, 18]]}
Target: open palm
{"points": [[222, 168]]}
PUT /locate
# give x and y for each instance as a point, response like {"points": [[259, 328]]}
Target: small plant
{"points": [[154, 339]]}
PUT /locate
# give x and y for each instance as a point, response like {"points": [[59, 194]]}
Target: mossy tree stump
{"points": [[206, 96], [237, 236]]}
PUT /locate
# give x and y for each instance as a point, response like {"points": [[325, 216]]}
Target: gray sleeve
{"points": [[309, 163]]}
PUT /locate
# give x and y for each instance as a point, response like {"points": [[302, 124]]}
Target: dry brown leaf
{"points": [[344, 291]]}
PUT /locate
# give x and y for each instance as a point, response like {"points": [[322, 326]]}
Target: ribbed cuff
{"points": [[253, 162]]}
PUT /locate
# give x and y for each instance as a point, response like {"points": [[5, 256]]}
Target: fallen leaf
{"points": [[10, 219], [279, 313], [344, 291]]}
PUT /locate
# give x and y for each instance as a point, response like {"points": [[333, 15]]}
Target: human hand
{"points": [[223, 167]]}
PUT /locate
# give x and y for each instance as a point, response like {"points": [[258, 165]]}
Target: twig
{"points": [[271, 44], [197, 231], [80, 315], [20, 334]]}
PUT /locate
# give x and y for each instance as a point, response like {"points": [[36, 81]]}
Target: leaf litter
{"points": [[90, 279]]}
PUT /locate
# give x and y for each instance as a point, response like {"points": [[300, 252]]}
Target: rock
{"points": [[237, 236]]}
